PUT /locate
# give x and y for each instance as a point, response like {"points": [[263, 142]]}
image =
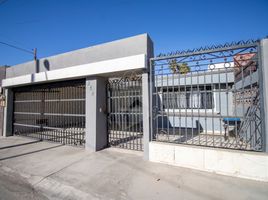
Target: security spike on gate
{"points": [[207, 48]]}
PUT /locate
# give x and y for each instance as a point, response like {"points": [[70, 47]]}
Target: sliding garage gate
{"points": [[125, 127], [53, 112]]}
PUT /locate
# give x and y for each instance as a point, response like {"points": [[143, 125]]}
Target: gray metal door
{"points": [[124, 104], [53, 112]]}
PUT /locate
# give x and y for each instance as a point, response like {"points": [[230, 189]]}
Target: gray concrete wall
{"points": [[140, 44], [8, 113], [96, 119], [264, 86], [146, 114], [2, 76]]}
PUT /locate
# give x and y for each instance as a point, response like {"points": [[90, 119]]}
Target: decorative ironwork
{"points": [[53, 112], [124, 101], [232, 45], [127, 76], [208, 96], [2, 100]]}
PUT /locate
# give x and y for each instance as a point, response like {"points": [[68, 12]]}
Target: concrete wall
{"points": [[146, 114], [250, 165], [140, 44], [96, 119], [264, 86], [2, 76], [103, 68], [8, 113]]}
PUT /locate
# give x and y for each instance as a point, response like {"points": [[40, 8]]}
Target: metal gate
{"points": [[124, 104], [53, 112], [210, 96]]}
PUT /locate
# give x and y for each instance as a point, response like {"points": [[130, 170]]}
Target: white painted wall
{"points": [[98, 68], [250, 165]]}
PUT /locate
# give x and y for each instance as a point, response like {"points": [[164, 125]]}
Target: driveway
{"points": [[41, 170]]}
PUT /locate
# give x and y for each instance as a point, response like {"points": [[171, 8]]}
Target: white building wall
{"points": [[243, 164]]}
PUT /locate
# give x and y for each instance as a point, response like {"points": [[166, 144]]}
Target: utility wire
{"points": [[18, 48], [11, 41]]}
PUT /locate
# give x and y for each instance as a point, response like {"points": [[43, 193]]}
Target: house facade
{"points": [[202, 109]]}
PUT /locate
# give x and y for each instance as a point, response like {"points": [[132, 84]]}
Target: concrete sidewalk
{"points": [[63, 172]]}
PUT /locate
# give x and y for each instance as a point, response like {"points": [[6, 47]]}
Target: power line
{"points": [[18, 48], [11, 41]]}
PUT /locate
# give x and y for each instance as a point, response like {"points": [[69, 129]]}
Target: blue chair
{"points": [[230, 121]]}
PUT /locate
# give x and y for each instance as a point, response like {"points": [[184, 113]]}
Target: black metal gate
{"points": [[53, 112], [125, 113], [210, 96]]}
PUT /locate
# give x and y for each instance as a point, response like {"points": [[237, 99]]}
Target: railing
{"points": [[124, 101], [53, 112], [208, 96]]}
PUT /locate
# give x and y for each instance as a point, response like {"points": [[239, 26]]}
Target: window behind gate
{"points": [[191, 97]]}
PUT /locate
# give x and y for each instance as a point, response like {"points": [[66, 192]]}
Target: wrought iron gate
{"points": [[124, 104], [210, 96], [53, 112]]}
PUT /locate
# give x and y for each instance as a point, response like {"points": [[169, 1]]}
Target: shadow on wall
{"points": [[46, 65]]}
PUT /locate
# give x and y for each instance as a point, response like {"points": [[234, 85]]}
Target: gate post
{"points": [[264, 92], [146, 114], [8, 113], [96, 119]]}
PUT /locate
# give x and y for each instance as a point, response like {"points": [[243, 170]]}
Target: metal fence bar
{"points": [[51, 112], [124, 117], [208, 96]]}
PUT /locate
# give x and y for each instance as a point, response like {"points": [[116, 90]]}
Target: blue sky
{"points": [[57, 26]]}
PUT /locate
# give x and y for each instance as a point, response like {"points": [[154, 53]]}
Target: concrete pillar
{"points": [[264, 73], [96, 119], [146, 114], [8, 113], [2, 76]]}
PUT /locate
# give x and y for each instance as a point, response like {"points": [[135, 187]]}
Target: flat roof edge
{"points": [[91, 69]]}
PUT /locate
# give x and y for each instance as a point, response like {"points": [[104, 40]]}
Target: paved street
{"points": [[42, 170]]}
